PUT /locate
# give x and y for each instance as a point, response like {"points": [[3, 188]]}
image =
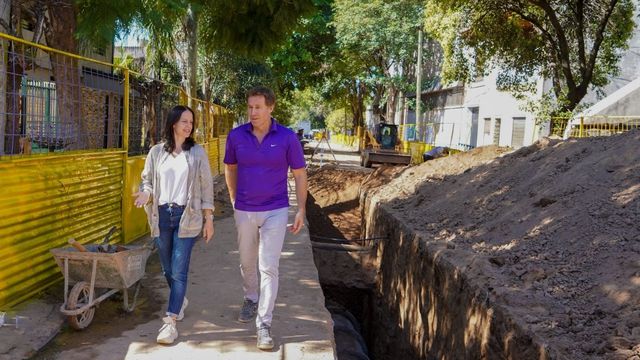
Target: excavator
{"points": [[383, 148]]}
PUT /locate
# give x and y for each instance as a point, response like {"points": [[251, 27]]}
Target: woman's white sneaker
{"points": [[168, 333]]}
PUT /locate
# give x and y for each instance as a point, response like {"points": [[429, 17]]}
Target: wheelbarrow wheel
{"points": [[79, 297]]}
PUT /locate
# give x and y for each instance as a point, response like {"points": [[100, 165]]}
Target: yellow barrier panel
{"points": [[48, 200], [72, 152], [134, 219]]}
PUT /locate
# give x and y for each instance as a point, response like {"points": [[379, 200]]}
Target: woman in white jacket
{"points": [[177, 193]]}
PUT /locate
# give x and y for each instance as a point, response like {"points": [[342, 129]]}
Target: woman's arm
{"points": [[206, 188]]}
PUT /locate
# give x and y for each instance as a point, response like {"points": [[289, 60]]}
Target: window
{"points": [[487, 126], [496, 131]]}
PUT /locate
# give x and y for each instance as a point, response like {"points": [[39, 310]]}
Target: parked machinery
{"points": [[383, 148]]}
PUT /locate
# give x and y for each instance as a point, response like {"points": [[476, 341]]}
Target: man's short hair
{"points": [[269, 96]]}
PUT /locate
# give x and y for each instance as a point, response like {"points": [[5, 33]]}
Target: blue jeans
{"points": [[175, 255]]}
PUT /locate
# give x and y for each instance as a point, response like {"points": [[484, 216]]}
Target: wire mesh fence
{"points": [[52, 102]]}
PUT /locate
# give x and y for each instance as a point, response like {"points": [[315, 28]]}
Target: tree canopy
{"points": [[576, 44]]}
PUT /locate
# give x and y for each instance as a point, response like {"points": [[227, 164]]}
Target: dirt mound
{"points": [[407, 179], [554, 231]]}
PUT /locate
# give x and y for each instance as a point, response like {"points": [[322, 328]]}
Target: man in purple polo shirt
{"points": [[257, 160]]}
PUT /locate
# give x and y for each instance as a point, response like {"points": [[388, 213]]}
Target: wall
{"points": [[494, 104]]}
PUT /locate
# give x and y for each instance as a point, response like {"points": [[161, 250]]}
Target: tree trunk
{"points": [[357, 103], [375, 104], [392, 102], [400, 108], [61, 36], [206, 87], [191, 35]]}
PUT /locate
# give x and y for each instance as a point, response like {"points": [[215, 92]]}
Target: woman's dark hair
{"points": [[172, 118]]}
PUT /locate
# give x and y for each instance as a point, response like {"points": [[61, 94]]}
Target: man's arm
{"points": [[300, 176], [231, 177]]}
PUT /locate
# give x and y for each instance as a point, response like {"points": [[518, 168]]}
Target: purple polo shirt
{"points": [[263, 168]]}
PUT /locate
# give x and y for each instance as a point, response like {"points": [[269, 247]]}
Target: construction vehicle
{"points": [[383, 148]]}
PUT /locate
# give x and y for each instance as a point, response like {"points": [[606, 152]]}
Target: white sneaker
{"points": [[168, 333], [185, 303]]}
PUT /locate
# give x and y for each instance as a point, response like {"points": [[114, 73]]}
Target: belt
{"points": [[173, 206]]}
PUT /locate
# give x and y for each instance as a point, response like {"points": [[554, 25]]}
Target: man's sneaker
{"points": [[185, 303], [248, 311], [168, 333], [265, 341]]}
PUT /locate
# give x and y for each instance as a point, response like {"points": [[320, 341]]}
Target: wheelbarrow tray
{"points": [[118, 270]]}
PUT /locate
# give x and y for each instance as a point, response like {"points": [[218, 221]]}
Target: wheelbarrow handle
{"points": [[108, 236], [77, 245]]}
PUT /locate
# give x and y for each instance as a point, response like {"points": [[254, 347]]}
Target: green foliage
{"points": [[230, 76], [576, 44], [381, 35], [100, 21], [308, 105], [338, 119], [305, 57], [250, 27]]}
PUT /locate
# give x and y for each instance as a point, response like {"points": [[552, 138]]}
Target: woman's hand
{"points": [[142, 198], [207, 229]]}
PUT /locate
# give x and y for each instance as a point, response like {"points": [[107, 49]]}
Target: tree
{"points": [[251, 28], [184, 28], [312, 59], [337, 120], [227, 77], [309, 105], [382, 36], [576, 44]]}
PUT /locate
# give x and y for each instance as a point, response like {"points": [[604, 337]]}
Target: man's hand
{"points": [[207, 230], [298, 222]]}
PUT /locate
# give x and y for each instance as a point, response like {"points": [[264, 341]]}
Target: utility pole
{"points": [[419, 87]]}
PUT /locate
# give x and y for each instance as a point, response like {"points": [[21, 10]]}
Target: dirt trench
{"points": [[489, 254], [383, 289]]}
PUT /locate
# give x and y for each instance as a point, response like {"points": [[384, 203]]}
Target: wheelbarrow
{"points": [[91, 270]]}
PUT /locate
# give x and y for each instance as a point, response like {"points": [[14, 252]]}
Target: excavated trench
{"points": [[390, 297], [345, 276]]}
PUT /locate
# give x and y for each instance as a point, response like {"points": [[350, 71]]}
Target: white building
{"points": [[478, 114]]}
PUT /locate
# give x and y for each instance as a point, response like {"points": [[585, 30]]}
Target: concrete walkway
{"points": [[302, 327]]}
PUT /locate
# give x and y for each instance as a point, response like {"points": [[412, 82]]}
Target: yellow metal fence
{"points": [[577, 127], [594, 125], [71, 153]]}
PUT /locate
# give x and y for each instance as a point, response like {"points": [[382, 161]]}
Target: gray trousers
{"points": [[260, 239]]}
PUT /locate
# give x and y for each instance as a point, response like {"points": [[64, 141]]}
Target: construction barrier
{"points": [[71, 153], [589, 126]]}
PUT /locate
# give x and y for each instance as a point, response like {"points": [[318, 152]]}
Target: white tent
{"points": [[622, 107]]}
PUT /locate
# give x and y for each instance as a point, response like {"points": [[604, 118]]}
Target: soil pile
{"points": [[552, 231]]}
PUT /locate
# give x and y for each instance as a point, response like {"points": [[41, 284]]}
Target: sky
{"points": [[131, 39]]}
